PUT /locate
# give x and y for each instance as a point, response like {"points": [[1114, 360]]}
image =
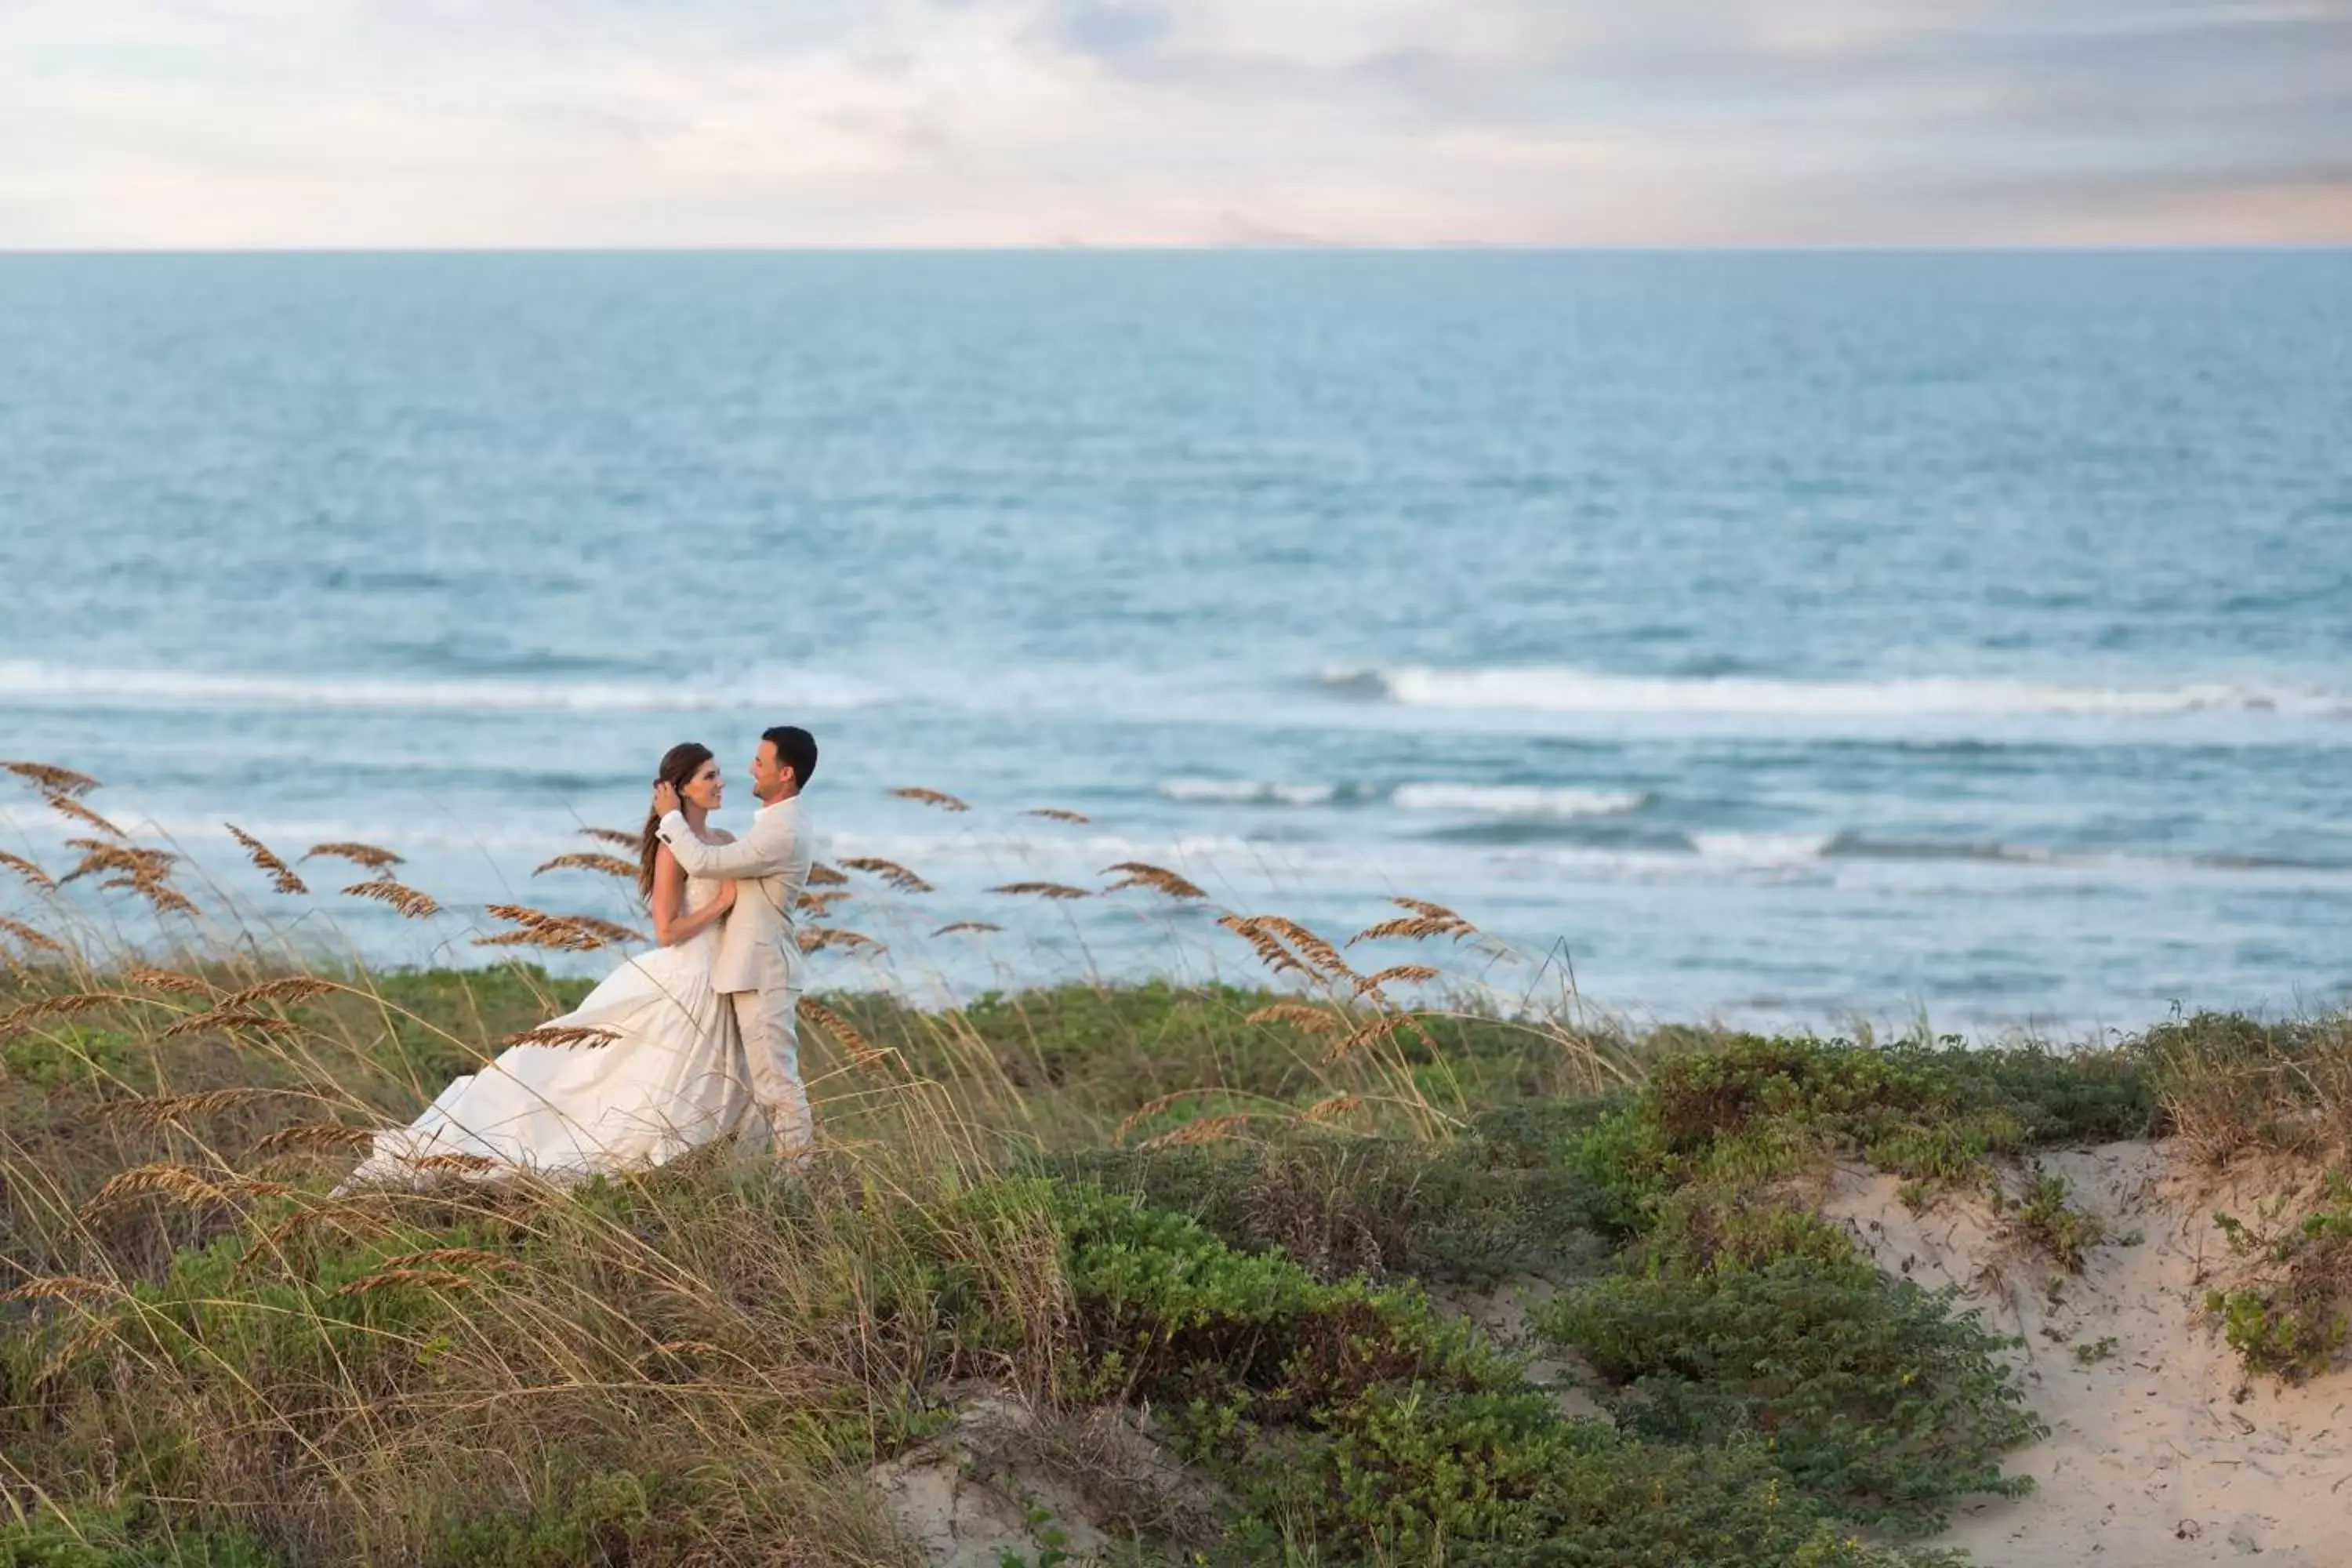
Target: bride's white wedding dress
{"points": [[673, 1078]]}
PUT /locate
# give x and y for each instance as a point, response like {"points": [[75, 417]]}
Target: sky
{"points": [[134, 124]]}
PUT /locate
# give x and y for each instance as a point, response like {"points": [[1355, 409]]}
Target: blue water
{"points": [[1782, 637]]}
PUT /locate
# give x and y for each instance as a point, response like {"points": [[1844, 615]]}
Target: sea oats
{"points": [[365, 854], [452, 1258], [1424, 907], [1057, 813], [609, 933], [1407, 974], [30, 937], [1335, 1105], [538, 929], [287, 989], [313, 1135], [282, 875], [564, 1035], [821, 875], [1299, 1015], [820, 904], [169, 980], [99, 857], [60, 1288], [607, 865], [414, 905], [1142, 874], [1207, 1129], [154, 1110], [60, 1006], [862, 1051], [1313, 948], [1379, 1029], [178, 1183], [223, 1020], [1060, 890], [65, 806], [890, 871], [421, 1278], [166, 898], [50, 779], [1149, 1108], [954, 926], [1251, 929], [40, 881], [1414, 928], [820, 938], [613, 835], [932, 797], [466, 1164], [94, 1334]]}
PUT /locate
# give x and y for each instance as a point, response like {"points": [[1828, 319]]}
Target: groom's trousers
{"points": [[770, 1024]]}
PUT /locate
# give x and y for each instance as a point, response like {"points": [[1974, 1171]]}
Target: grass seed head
{"points": [[150, 978], [1058, 891], [51, 779], [1299, 1015], [1158, 878], [945, 802], [606, 865], [34, 877], [1207, 1129], [890, 871], [282, 875], [365, 854], [564, 1035], [29, 936], [820, 939], [862, 1051], [65, 806], [410, 904]]}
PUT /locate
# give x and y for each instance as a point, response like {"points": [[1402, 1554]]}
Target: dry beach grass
{"points": [[1119, 1274]]}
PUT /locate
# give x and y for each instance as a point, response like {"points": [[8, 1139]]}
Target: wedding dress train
{"points": [[671, 1078]]}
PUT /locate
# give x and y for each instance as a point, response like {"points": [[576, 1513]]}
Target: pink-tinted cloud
{"points": [[1179, 122]]}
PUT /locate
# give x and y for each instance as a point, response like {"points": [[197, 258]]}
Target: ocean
{"points": [[1787, 640]]}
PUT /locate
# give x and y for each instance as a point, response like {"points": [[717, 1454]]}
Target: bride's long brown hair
{"points": [[678, 766]]}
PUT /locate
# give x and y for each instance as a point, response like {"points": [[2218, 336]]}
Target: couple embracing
{"points": [[700, 1035]]}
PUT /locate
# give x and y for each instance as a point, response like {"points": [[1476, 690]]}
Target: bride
{"points": [[670, 1077]]}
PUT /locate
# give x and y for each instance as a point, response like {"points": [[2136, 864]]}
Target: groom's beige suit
{"points": [[757, 966]]}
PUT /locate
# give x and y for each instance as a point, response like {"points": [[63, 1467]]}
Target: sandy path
{"points": [[2159, 1453]]}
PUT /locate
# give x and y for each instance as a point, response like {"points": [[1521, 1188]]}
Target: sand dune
{"points": [[2162, 1451]]}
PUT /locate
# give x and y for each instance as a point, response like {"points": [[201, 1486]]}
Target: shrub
{"points": [[1871, 1393], [1464, 1209]]}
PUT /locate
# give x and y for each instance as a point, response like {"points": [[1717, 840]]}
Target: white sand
{"points": [[2162, 1453]]}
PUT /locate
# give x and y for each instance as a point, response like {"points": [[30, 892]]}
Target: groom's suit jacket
{"points": [[757, 948]]}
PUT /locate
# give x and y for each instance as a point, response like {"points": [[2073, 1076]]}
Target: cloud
{"points": [[699, 122]]}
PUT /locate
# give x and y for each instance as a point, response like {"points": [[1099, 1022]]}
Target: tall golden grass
{"points": [[174, 1122]]}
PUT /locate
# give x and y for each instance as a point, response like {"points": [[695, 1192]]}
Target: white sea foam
{"points": [[1517, 800], [1539, 689], [1248, 792], [1763, 849], [163, 688]]}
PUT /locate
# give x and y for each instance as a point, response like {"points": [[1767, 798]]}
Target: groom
{"points": [[758, 962]]}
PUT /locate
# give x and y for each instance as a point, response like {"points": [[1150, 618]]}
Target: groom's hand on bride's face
{"points": [[664, 798]]}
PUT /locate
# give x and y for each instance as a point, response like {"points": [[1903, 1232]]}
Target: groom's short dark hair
{"points": [[795, 748]]}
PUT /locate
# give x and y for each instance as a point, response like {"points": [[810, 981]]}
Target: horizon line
{"points": [[1954, 247]]}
